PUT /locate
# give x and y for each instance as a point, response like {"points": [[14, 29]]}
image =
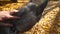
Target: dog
{"points": [[30, 15]]}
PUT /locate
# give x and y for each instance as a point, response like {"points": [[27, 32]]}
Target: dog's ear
{"points": [[40, 8], [37, 8]]}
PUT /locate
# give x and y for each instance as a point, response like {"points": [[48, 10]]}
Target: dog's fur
{"points": [[30, 14]]}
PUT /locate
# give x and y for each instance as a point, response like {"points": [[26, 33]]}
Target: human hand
{"points": [[4, 15], [7, 15]]}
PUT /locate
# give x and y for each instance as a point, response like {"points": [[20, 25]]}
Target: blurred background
{"points": [[50, 21]]}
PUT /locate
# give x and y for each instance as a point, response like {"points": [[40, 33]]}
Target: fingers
{"points": [[13, 11], [6, 24], [13, 17]]}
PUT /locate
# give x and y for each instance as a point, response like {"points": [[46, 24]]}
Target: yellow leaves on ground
{"points": [[46, 22], [10, 6]]}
